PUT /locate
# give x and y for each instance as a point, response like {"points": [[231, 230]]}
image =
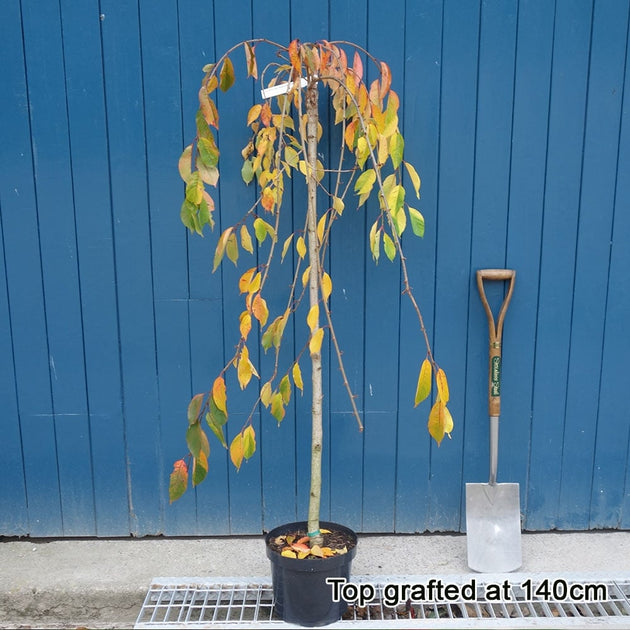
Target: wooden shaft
{"points": [[495, 334]]}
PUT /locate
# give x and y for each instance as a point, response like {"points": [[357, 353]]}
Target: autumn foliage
{"points": [[374, 166]]}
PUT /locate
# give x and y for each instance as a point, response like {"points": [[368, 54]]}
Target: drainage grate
{"points": [[465, 601]]}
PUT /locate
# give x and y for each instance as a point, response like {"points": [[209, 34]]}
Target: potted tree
{"points": [[285, 130]]}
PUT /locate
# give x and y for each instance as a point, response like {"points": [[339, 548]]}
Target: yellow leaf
{"points": [[424, 382], [338, 205], [315, 344], [254, 113], [236, 451], [219, 395], [297, 377], [326, 286], [246, 240], [277, 408], [244, 368], [305, 276], [316, 550], [245, 280], [300, 246], [312, 319], [324, 531], [285, 246], [254, 285], [415, 178], [245, 324], [265, 394], [442, 385], [321, 225], [184, 163], [303, 554], [287, 553], [440, 421]]}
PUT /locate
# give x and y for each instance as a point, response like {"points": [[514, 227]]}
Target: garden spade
{"points": [[493, 514]]}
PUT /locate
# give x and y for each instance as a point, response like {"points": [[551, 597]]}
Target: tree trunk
{"points": [[316, 358]]}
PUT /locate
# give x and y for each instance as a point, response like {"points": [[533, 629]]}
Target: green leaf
{"points": [[208, 151], [188, 215], [200, 469], [197, 440], [417, 221], [365, 182], [396, 148], [194, 407], [216, 419], [247, 171], [262, 228], [194, 189], [415, 178], [249, 442], [226, 76], [277, 408], [389, 247], [178, 480], [285, 389]]}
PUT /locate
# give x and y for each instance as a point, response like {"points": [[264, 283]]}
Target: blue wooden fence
{"points": [[517, 115]]}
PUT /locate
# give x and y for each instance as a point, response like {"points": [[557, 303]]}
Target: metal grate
{"points": [[528, 601]]}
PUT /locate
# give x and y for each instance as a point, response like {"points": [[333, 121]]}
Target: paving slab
{"points": [[102, 583]]}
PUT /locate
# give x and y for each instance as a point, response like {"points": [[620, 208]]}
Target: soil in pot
{"points": [[301, 593]]}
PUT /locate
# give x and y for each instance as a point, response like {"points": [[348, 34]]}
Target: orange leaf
{"points": [[178, 480], [386, 79], [357, 65], [260, 310], [265, 115], [298, 546], [294, 56]]}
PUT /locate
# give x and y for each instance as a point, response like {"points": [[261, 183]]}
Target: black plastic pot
{"points": [[299, 586]]}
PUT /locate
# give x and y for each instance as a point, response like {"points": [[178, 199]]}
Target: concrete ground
{"points": [[102, 583]]}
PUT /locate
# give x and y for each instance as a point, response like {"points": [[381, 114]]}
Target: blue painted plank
{"points": [[497, 50], [23, 268], [162, 110], [453, 273], [127, 162], [13, 508], [420, 116], [382, 308], [527, 185], [562, 190], [346, 260], [605, 89], [45, 67], [233, 201], [88, 149], [610, 499]]}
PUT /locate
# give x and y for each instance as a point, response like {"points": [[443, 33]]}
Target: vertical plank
{"points": [[42, 41], [605, 88], [527, 186], [162, 111], [562, 190], [610, 499], [421, 116], [497, 49], [128, 173], [277, 442], [90, 186], [234, 200], [453, 274], [382, 310], [347, 256]]}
